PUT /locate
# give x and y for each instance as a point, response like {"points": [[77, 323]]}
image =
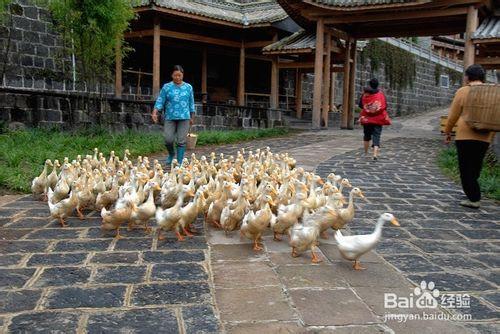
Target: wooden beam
{"points": [[204, 85], [298, 93], [389, 16], [156, 56], [352, 90], [318, 74], [486, 41], [488, 60], [274, 103], [326, 80], [345, 88], [470, 28], [185, 36], [241, 76], [118, 69]]}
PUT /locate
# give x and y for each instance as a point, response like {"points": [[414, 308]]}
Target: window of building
{"points": [[444, 81]]}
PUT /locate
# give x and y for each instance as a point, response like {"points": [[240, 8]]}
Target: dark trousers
{"points": [[470, 161]]}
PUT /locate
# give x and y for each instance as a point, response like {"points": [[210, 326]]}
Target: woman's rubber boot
{"points": [[171, 155], [180, 153]]}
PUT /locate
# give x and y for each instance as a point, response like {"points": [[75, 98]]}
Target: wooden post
{"points": [[204, 90], [345, 96], [352, 90], [326, 78], [298, 93], [332, 91], [274, 103], [318, 74], [118, 69], [156, 57], [241, 77], [471, 26]]}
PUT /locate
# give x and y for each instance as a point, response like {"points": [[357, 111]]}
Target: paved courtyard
{"points": [[75, 279]]}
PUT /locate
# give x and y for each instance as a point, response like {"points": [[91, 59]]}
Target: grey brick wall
{"points": [[34, 60]]}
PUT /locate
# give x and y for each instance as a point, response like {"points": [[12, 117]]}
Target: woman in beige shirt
{"points": [[471, 144]]}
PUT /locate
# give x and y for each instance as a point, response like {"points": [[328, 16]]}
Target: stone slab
{"points": [[253, 304], [331, 308], [243, 274]]}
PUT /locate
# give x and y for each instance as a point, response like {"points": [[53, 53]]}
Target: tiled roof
{"points": [[489, 28], [360, 3], [240, 12], [301, 41]]}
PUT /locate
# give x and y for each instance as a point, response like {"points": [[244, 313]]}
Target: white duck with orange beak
{"points": [[352, 247]]}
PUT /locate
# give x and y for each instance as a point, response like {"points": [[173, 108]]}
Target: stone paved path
{"points": [[75, 279]]}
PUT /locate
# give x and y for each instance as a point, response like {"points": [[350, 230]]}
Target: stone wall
{"points": [[21, 107], [34, 57]]}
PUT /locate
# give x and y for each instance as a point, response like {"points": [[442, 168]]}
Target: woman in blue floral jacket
{"points": [[176, 99]]}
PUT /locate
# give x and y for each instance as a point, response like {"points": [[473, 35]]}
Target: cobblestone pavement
{"points": [[75, 279], [55, 279]]}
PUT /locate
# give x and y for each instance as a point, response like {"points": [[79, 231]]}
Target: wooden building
{"points": [[487, 41], [218, 42], [360, 19], [233, 50]]}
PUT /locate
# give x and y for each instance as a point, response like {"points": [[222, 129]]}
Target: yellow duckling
{"points": [[52, 178], [288, 216], [346, 215], [233, 213], [39, 184], [61, 190], [146, 210], [216, 207], [112, 220], [303, 237], [168, 219], [109, 197], [254, 224], [190, 211], [354, 246], [62, 209]]}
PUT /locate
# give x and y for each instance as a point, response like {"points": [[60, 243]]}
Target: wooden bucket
{"points": [[191, 141]]}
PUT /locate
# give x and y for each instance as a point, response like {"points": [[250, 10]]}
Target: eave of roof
{"points": [[489, 29], [246, 15]]}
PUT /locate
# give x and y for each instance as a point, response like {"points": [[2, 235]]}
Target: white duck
{"points": [[353, 246]]}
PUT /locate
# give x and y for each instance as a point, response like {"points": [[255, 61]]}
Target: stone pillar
{"points": [[318, 74]]}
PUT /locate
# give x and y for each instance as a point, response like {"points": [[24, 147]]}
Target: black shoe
{"points": [[375, 158]]}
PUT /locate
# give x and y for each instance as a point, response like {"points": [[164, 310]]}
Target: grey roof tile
{"points": [[252, 12], [489, 28]]}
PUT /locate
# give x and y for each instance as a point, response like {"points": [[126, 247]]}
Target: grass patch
{"points": [[490, 174], [235, 136], [23, 153]]}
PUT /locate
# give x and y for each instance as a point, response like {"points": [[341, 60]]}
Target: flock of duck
{"points": [[249, 192]]}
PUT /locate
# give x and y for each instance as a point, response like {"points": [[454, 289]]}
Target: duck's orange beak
{"points": [[395, 222]]}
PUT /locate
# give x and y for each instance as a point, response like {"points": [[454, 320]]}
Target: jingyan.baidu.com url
{"points": [[404, 317]]}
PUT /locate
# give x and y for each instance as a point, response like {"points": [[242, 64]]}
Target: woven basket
{"points": [[191, 141], [482, 108]]}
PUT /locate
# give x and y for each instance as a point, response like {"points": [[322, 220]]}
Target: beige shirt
{"points": [[464, 131]]}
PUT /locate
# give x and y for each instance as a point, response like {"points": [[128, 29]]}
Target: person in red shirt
{"points": [[373, 116]]}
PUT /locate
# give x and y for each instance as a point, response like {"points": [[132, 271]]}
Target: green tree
{"points": [[92, 29]]}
